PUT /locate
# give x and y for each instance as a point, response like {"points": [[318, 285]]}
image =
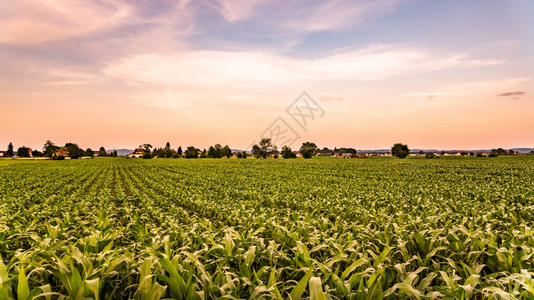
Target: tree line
{"points": [[264, 149], [55, 152]]}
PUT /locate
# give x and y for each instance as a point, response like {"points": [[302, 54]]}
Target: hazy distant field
{"points": [[320, 228]]}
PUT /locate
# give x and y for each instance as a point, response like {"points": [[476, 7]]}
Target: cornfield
{"points": [[453, 228]]}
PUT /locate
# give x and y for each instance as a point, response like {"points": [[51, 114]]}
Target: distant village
{"points": [[265, 150]]}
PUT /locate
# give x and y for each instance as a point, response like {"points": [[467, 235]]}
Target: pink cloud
{"points": [[29, 22]]}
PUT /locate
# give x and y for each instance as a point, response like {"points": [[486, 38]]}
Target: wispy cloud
{"points": [[34, 21], [473, 89], [508, 94], [226, 69], [329, 98], [304, 16]]}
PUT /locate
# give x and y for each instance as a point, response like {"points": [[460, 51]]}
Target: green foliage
{"points": [[219, 151], [88, 152], [453, 228], [400, 150], [287, 152], [49, 149], [23, 152], [9, 152], [264, 148], [37, 153], [74, 150], [308, 149], [102, 152], [191, 152]]}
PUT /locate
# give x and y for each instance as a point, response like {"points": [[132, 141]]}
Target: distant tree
{"points": [[239, 155], [89, 152], [37, 153], [308, 149], [263, 149], [169, 153], [168, 146], [145, 147], [147, 155], [493, 154], [191, 152], [215, 151], [226, 151], [74, 151], [9, 152], [480, 154], [287, 152], [102, 152], [204, 154], [49, 149], [180, 150], [400, 150], [500, 151], [23, 152], [245, 154], [115, 154], [256, 151]]}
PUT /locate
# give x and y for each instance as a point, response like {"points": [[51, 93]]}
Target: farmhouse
{"points": [[62, 151], [3, 153], [138, 153]]}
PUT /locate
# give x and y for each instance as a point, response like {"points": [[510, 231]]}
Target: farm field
{"points": [[105, 228]]}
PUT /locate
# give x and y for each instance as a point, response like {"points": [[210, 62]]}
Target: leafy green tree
{"points": [[239, 155], [263, 149], [308, 149], [191, 152], [147, 155], [9, 152], [169, 153], [49, 149], [89, 152], [400, 150], [226, 151], [23, 152], [180, 152], [215, 151], [74, 151], [37, 153], [500, 151], [256, 152], [287, 152], [102, 152], [146, 147]]}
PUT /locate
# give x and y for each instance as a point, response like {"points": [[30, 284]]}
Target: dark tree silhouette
{"points": [[400, 150]]}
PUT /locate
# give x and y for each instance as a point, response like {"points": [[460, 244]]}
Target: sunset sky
{"points": [[119, 73]]}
